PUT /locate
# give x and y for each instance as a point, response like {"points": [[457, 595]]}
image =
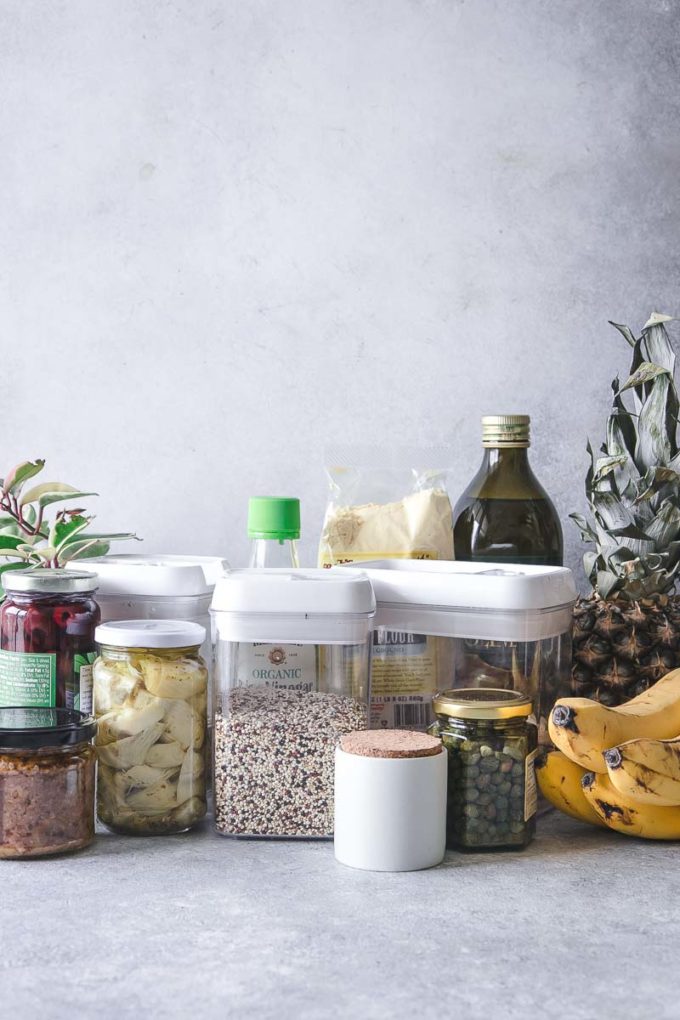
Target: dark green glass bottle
{"points": [[505, 515]]}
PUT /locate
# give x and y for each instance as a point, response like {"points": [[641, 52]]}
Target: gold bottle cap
{"points": [[505, 430], [481, 703]]}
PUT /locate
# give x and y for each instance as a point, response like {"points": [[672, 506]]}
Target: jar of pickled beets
{"points": [[47, 646]]}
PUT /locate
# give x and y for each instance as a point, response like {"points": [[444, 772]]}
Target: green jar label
{"points": [[28, 679]]}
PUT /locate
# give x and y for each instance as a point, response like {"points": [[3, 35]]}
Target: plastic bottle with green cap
{"points": [[274, 531]]}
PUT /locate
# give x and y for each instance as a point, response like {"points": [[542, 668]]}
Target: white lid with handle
{"points": [[132, 576], [497, 601], [305, 606]]}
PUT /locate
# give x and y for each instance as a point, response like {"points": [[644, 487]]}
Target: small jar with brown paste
{"points": [[47, 771]]}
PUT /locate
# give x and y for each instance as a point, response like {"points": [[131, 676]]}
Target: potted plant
{"points": [[32, 535]]}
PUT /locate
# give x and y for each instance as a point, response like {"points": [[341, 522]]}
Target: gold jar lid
{"points": [[505, 430], [482, 703]]}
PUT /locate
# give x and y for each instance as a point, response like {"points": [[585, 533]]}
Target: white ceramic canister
{"points": [[390, 800]]}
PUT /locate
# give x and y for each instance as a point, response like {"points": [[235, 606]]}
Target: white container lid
{"points": [[307, 606], [498, 601], [130, 576], [150, 634]]}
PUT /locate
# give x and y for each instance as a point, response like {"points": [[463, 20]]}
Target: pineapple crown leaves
{"points": [[633, 488], [28, 538]]}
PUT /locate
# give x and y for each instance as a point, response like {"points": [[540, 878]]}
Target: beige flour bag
{"points": [[380, 507]]}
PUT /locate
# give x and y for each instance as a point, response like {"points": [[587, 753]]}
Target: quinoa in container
{"points": [[47, 773], [276, 724]]}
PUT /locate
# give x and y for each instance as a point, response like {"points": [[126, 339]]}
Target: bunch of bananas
{"points": [[618, 767]]}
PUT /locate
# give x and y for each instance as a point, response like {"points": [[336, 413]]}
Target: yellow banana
{"points": [[648, 771], [583, 729], [624, 815], [559, 780]]}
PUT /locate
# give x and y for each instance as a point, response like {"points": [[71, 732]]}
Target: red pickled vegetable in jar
{"points": [[47, 645]]}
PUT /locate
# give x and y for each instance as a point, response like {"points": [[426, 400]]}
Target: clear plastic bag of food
{"points": [[385, 504]]}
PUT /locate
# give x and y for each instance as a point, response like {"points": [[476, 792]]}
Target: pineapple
{"points": [[627, 632]]}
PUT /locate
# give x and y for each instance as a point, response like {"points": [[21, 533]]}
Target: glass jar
{"points": [[47, 770], [150, 701], [491, 744], [47, 646]]}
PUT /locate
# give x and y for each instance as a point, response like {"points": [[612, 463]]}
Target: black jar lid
{"points": [[29, 729]]}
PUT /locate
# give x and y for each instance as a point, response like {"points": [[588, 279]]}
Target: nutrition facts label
{"points": [[28, 679]]}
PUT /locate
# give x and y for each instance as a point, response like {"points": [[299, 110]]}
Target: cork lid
{"points": [[390, 744]]}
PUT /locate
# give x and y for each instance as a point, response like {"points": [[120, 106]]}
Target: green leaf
{"points": [[611, 512], [625, 332], [658, 345], [644, 374], [590, 564], [84, 548], [52, 492], [605, 466], [653, 445], [20, 474], [4, 567], [120, 536], [41, 552], [665, 527], [65, 531], [587, 533], [606, 582], [10, 541], [656, 318]]}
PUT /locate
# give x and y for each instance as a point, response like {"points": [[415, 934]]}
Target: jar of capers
{"points": [[491, 746]]}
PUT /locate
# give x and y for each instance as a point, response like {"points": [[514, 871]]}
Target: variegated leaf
{"points": [[653, 444]]}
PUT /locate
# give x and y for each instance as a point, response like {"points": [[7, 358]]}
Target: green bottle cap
{"points": [[273, 517]]}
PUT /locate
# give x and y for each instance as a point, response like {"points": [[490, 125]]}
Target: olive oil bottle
{"points": [[505, 514]]}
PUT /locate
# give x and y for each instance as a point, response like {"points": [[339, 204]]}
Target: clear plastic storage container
{"points": [[131, 587], [443, 625], [277, 723], [150, 700]]}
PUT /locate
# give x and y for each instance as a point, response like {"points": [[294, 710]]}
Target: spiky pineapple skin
{"points": [[621, 648]]}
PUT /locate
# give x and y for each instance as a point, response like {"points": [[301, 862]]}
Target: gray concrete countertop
{"points": [[582, 924]]}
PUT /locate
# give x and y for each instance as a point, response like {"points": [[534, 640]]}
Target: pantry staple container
{"points": [[292, 666], [150, 699], [47, 780], [47, 647], [132, 587], [442, 625], [390, 800], [491, 747]]}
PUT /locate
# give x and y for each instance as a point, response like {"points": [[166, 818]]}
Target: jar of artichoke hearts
{"points": [[491, 744], [150, 701]]}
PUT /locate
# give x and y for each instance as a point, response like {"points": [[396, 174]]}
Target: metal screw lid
{"points": [[481, 703], [49, 580], [505, 430]]}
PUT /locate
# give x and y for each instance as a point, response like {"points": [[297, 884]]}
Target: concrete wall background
{"points": [[232, 233]]}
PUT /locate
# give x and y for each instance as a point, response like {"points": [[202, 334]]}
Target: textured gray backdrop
{"points": [[234, 232]]}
